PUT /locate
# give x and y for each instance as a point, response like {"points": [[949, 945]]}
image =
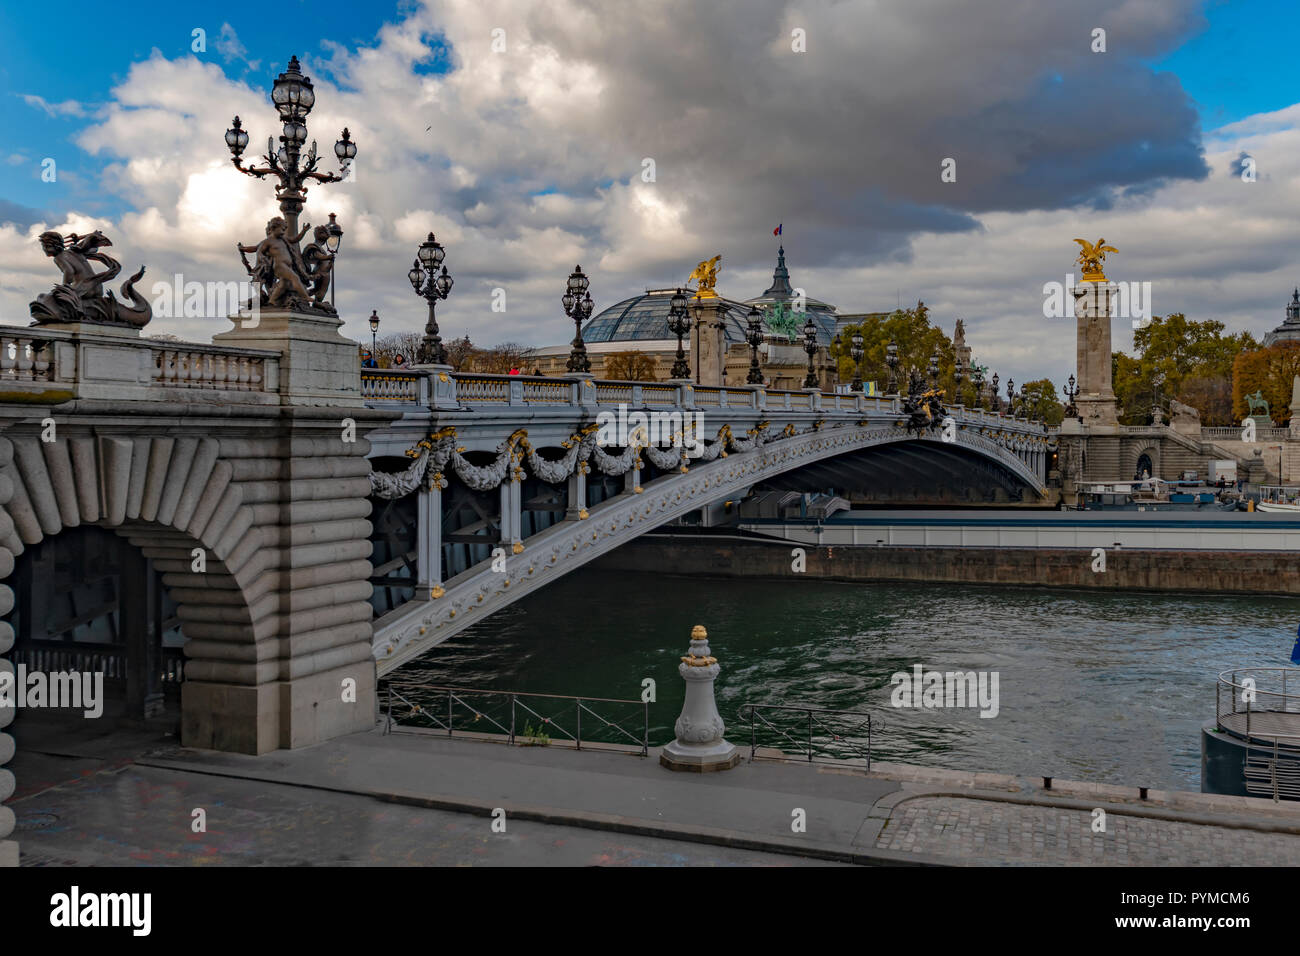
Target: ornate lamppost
{"points": [[333, 239], [1011, 396], [679, 323], [891, 359], [293, 97], [754, 336], [977, 379], [856, 352], [578, 306], [428, 282], [933, 370], [374, 332], [957, 376], [810, 346], [1071, 391]]}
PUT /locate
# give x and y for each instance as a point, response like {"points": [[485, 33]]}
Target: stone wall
{"points": [[258, 520], [1231, 572]]}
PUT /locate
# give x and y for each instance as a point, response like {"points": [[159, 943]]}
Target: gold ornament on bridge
{"points": [[706, 275], [1091, 257]]}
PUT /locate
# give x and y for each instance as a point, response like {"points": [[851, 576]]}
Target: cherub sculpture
{"points": [[276, 267]]}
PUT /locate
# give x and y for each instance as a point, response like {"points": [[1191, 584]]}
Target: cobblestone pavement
{"points": [[995, 832]]}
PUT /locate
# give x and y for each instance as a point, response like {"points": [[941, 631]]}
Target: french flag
{"points": [[777, 230]]}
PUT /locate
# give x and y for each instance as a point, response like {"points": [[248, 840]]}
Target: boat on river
{"points": [[1154, 494], [1279, 498]]}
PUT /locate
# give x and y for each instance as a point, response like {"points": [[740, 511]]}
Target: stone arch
{"points": [[282, 606], [1136, 451]]}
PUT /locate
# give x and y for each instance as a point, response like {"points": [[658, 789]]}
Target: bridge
{"points": [[513, 485], [243, 528]]}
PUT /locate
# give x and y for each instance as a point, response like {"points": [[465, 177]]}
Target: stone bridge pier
{"points": [[246, 488]]}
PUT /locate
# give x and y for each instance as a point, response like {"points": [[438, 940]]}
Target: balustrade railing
{"points": [[25, 358], [391, 385], [492, 391], [204, 367]]}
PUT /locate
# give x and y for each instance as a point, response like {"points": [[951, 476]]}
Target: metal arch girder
{"points": [[406, 632]]}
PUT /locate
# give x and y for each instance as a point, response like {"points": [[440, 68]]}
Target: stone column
{"points": [[428, 556], [577, 509], [8, 848], [708, 340], [699, 745], [1093, 307], [318, 366]]}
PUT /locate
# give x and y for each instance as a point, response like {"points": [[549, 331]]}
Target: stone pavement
{"points": [[412, 798]]}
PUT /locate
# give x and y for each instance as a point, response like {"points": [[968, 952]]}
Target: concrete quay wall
{"points": [[1225, 572]]}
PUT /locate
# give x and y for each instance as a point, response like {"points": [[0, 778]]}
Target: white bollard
{"points": [[699, 745]]}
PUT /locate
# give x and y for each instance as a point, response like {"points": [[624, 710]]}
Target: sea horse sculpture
{"points": [[80, 297]]}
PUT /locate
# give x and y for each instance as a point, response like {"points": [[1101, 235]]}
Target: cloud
{"points": [[527, 161], [56, 110]]}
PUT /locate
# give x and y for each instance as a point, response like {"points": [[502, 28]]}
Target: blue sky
{"points": [[92, 47], [1243, 63]]}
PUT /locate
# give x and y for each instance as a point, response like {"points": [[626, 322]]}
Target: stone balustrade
{"points": [[60, 364]]}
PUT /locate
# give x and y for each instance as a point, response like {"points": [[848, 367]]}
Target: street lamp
{"points": [[432, 285], [333, 239], [1071, 391], [934, 368], [891, 359], [1011, 397], [679, 323], [293, 97], [977, 379], [810, 346], [958, 374], [856, 352], [754, 336], [374, 331], [577, 306], [995, 400]]}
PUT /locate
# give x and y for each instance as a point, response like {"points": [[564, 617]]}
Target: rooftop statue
{"points": [[1091, 257], [80, 298], [783, 320], [706, 274]]}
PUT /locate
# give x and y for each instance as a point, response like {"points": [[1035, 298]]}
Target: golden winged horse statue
{"points": [[1091, 256], [706, 274]]}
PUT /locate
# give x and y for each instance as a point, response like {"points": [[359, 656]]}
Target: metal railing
{"points": [[1257, 714], [816, 732], [499, 711]]}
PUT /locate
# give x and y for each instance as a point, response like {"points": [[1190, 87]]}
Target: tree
{"points": [[459, 352], [630, 367], [1212, 397], [1171, 350], [916, 339], [501, 359], [406, 344], [1044, 405], [1271, 371]]}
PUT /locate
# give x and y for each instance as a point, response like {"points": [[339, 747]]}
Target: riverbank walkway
{"points": [[421, 798]]}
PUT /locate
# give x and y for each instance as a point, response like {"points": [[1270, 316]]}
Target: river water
{"points": [[1100, 687]]}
